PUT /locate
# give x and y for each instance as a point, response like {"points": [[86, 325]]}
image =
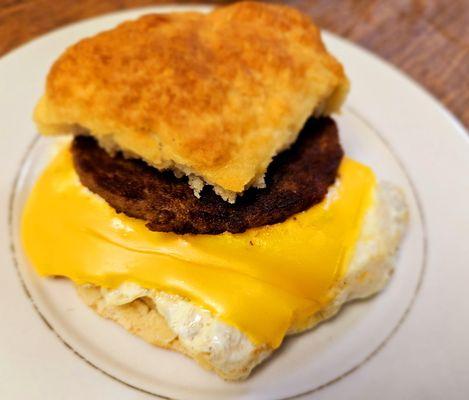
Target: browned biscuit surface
{"points": [[213, 95], [297, 179]]}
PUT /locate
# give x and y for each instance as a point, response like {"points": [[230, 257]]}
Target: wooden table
{"points": [[428, 39]]}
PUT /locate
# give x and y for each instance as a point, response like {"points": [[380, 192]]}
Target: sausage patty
{"points": [[296, 179]]}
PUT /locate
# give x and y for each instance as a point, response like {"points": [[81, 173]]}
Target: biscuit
{"points": [[214, 96]]}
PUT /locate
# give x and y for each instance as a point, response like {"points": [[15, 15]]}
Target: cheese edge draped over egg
{"points": [[263, 281]]}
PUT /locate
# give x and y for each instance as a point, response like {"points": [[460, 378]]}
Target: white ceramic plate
{"points": [[408, 342]]}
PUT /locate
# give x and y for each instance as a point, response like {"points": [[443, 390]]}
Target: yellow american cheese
{"points": [[261, 281]]}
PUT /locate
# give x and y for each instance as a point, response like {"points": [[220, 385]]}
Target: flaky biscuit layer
{"points": [[214, 96]]}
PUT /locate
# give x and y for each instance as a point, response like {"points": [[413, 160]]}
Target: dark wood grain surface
{"points": [[428, 39]]}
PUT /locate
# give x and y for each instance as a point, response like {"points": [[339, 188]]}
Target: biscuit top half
{"points": [[214, 96]]}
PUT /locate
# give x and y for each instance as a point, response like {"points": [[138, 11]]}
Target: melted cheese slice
{"points": [[263, 281]]}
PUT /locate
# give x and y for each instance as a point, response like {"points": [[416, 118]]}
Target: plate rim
{"points": [[459, 128]]}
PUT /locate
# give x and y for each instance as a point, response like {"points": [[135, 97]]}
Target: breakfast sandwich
{"points": [[204, 201]]}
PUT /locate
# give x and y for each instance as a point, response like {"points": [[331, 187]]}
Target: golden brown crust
{"points": [[215, 95]]}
